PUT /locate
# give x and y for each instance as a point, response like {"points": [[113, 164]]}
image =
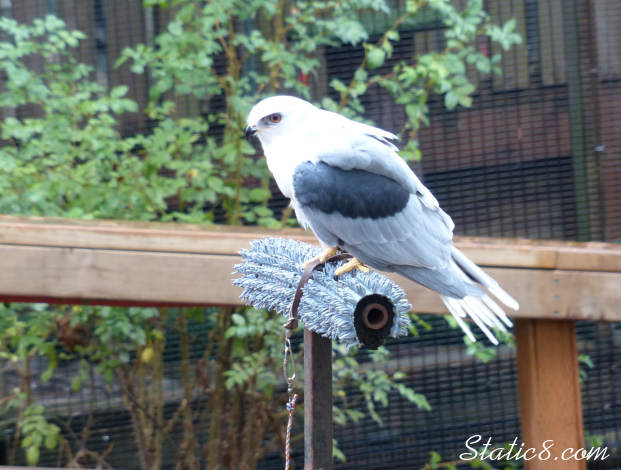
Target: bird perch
{"points": [[354, 308]]}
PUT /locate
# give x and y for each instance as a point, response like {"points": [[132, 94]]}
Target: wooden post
{"points": [[317, 402], [550, 404]]}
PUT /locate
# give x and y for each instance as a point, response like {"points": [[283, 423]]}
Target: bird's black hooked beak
{"points": [[250, 131]]}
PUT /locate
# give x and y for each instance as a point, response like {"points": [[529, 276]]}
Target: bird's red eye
{"points": [[275, 118]]}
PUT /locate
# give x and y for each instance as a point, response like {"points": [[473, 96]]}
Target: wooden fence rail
{"points": [[121, 263], [167, 264]]}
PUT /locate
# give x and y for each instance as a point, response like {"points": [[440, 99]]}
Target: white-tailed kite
{"points": [[348, 184]]}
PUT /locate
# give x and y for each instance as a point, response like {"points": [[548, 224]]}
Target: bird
{"points": [[347, 182]]}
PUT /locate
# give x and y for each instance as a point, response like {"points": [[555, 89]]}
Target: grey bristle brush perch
{"points": [[354, 308]]}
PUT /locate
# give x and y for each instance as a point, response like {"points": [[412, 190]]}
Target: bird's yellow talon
{"points": [[323, 257], [352, 264]]}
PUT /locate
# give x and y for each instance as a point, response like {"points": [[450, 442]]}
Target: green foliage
{"points": [[68, 158], [255, 365], [37, 432], [444, 72], [24, 334], [375, 384], [64, 160], [337, 453], [479, 349], [417, 323], [593, 440], [584, 363]]}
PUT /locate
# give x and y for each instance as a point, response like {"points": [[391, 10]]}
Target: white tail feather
{"points": [[461, 308], [481, 309], [488, 316], [457, 312], [468, 268], [475, 314], [503, 296], [497, 310]]}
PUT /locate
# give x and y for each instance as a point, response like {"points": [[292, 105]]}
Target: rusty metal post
{"points": [[317, 402]]}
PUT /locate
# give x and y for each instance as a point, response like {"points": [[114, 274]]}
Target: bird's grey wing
{"points": [[351, 145], [372, 216]]}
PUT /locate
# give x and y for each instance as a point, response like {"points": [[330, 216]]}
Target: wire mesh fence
{"points": [[467, 398], [538, 155], [535, 156]]}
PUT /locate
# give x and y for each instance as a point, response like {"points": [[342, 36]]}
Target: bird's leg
{"points": [[323, 257], [352, 264]]}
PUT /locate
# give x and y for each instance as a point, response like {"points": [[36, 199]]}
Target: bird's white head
{"points": [[281, 123], [276, 116]]}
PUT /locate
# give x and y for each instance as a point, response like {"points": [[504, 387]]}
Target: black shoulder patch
{"points": [[351, 193]]}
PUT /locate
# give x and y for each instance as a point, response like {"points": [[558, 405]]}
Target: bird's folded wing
{"points": [[375, 217], [350, 145]]}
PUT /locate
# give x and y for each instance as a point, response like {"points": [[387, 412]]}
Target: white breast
{"points": [[283, 156]]}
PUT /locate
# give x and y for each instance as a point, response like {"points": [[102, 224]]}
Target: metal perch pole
{"points": [[317, 402], [356, 309]]}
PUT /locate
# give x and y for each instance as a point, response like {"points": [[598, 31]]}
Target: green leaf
{"points": [[259, 194], [47, 375], [118, 91], [76, 383], [484, 66], [586, 360], [392, 35], [450, 100], [51, 440], [216, 184], [32, 455], [435, 460], [338, 453], [376, 58], [263, 211], [175, 28]]}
